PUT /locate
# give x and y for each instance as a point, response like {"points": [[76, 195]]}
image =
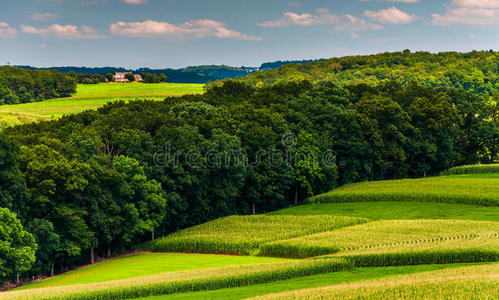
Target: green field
{"points": [[471, 282], [377, 240], [355, 275], [482, 191], [244, 234], [145, 265], [473, 169], [92, 96]]}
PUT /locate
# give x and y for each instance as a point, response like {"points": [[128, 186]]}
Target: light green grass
{"points": [[144, 265], [481, 191], [243, 234], [384, 210], [472, 282], [93, 96], [348, 276], [391, 236]]}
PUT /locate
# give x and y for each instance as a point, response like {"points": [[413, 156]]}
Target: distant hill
{"points": [[191, 74], [475, 71]]}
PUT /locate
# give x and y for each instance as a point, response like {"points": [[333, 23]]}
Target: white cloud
{"points": [[390, 15], [322, 17], [477, 3], [135, 2], [351, 23], [71, 32], [191, 29], [43, 17], [354, 35], [471, 12], [7, 31]]}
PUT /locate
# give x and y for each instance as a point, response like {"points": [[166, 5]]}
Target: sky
{"points": [[179, 33]]}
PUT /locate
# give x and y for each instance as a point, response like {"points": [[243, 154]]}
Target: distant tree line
{"points": [[94, 184], [153, 78], [22, 86]]}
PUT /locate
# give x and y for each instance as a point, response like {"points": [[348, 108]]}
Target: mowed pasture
{"points": [[93, 96], [481, 191]]}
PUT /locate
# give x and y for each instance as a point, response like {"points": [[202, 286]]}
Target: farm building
{"points": [[121, 77]]}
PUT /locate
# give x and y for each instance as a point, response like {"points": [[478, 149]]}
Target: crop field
{"points": [[482, 191], [391, 236], [321, 280], [472, 282], [473, 169], [373, 241], [243, 234], [146, 264], [184, 281], [397, 210], [92, 96]]}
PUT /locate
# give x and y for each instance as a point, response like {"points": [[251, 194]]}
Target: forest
{"points": [[98, 183], [475, 71], [22, 85]]}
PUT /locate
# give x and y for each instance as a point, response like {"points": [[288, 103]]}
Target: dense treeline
{"points": [[98, 182], [277, 64], [475, 71], [23, 85]]}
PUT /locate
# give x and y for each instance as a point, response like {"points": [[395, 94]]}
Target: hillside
{"points": [[475, 71], [377, 248], [90, 96]]}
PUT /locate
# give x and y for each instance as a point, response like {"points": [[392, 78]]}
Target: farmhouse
{"points": [[121, 77]]}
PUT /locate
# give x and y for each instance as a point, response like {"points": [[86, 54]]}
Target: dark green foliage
{"points": [[22, 85], [474, 71], [17, 246]]}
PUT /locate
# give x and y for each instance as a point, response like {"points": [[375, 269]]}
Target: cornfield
{"points": [[472, 169], [396, 236], [243, 235], [184, 281], [476, 282], [480, 191]]}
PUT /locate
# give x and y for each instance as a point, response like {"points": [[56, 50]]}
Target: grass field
{"points": [[91, 96], [145, 265], [482, 191]]}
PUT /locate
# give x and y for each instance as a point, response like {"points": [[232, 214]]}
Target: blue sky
{"points": [[177, 33]]}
